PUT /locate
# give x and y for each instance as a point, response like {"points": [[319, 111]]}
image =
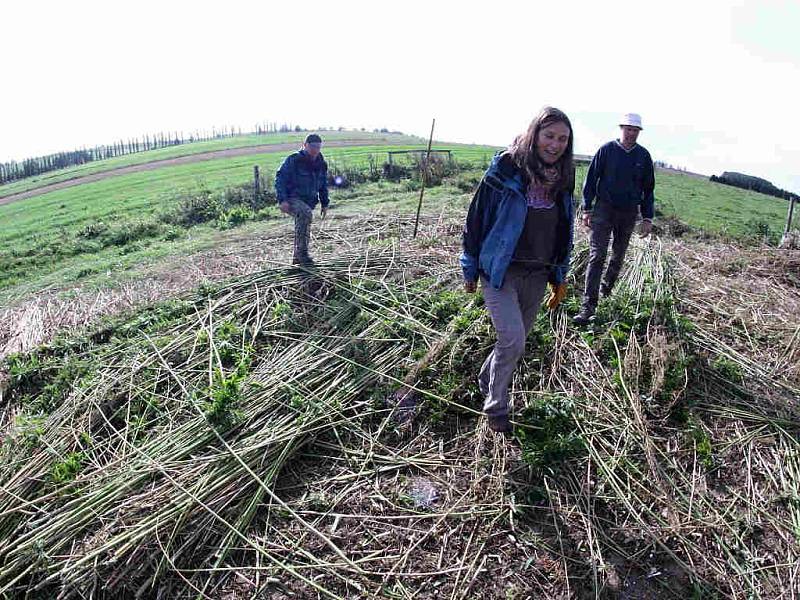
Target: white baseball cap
{"points": [[631, 119]]}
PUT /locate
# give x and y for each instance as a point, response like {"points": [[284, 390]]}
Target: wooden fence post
{"points": [[423, 176], [789, 216], [256, 184]]}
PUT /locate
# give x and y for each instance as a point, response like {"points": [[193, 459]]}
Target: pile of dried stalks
{"points": [[246, 448], [691, 477], [176, 437], [27, 321]]}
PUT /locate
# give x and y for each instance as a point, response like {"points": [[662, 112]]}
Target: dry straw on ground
{"points": [[684, 480]]}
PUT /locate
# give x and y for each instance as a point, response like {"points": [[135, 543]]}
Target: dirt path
{"points": [[179, 160]]}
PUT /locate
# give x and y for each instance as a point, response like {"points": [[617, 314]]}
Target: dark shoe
{"points": [[303, 261], [500, 424], [584, 316], [605, 291]]}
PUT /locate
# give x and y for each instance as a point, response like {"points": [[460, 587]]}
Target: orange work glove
{"points": [[558, 291]]}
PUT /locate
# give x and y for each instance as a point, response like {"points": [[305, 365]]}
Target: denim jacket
{"points": [[495, 221], [299, 177]]}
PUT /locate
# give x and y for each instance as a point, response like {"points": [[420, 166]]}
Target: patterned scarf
{"points": [[540, 189]]}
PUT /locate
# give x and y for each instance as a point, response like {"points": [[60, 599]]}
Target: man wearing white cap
{"points": [[619, 186]]}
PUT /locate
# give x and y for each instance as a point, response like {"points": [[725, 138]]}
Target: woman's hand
{"points": [[586, 219], [470, 286]]}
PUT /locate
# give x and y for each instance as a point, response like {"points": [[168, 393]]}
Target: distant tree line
{"points": [[749, 182], [30, 167], [660, 164]]}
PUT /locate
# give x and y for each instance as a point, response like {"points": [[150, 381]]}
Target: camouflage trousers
{"points": [[303, 215]]}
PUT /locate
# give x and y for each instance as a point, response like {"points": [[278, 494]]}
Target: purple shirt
{"points": [[539, 196]]}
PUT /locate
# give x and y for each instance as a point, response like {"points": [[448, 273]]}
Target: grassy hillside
{"points": [[195, 148], [721, 209], [110, 225]]}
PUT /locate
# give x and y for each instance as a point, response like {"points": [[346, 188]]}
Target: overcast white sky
{"points": [[716, 82]]}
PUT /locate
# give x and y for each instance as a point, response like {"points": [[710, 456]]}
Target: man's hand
{"points": [[558, 291], [586, 219], [470, 286], [323, 210], [284, 206], [646, 228]]}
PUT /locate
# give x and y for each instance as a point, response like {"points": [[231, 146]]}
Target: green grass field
{"points": [[50, 241], [140, 194], [721, 209], [243, 141]]}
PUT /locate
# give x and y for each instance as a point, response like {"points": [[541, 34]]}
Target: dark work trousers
{"points": [[512, 308], [303, 214], [608, 223]]}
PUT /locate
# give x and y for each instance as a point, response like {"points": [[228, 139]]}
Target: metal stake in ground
{"points": [[422, 175]]}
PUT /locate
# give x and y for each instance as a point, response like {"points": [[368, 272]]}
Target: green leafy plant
{"points": [[224, 398], [548, 434], [68, 468]]}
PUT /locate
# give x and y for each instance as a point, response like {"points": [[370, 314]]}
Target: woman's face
{"points": [[552, 141]]}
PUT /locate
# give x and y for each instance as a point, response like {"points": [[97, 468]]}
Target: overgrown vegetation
{"points": [[149, 389], [253, 423], [548, 434], [178, 214], [251, 427]]}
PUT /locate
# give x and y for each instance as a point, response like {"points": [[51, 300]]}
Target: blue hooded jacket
{"points": [[495, 221], [300, 177]]}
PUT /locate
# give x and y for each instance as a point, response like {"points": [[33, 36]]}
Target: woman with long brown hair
{"points": [[517, 240]]}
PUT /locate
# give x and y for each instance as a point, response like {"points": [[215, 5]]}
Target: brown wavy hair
{"points": [[523, 151]]}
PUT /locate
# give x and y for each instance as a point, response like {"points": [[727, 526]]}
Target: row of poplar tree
{"points": [[30, 167]]}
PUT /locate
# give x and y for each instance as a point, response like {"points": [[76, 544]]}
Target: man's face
{"points": [[629, 134], [313, 148]]}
